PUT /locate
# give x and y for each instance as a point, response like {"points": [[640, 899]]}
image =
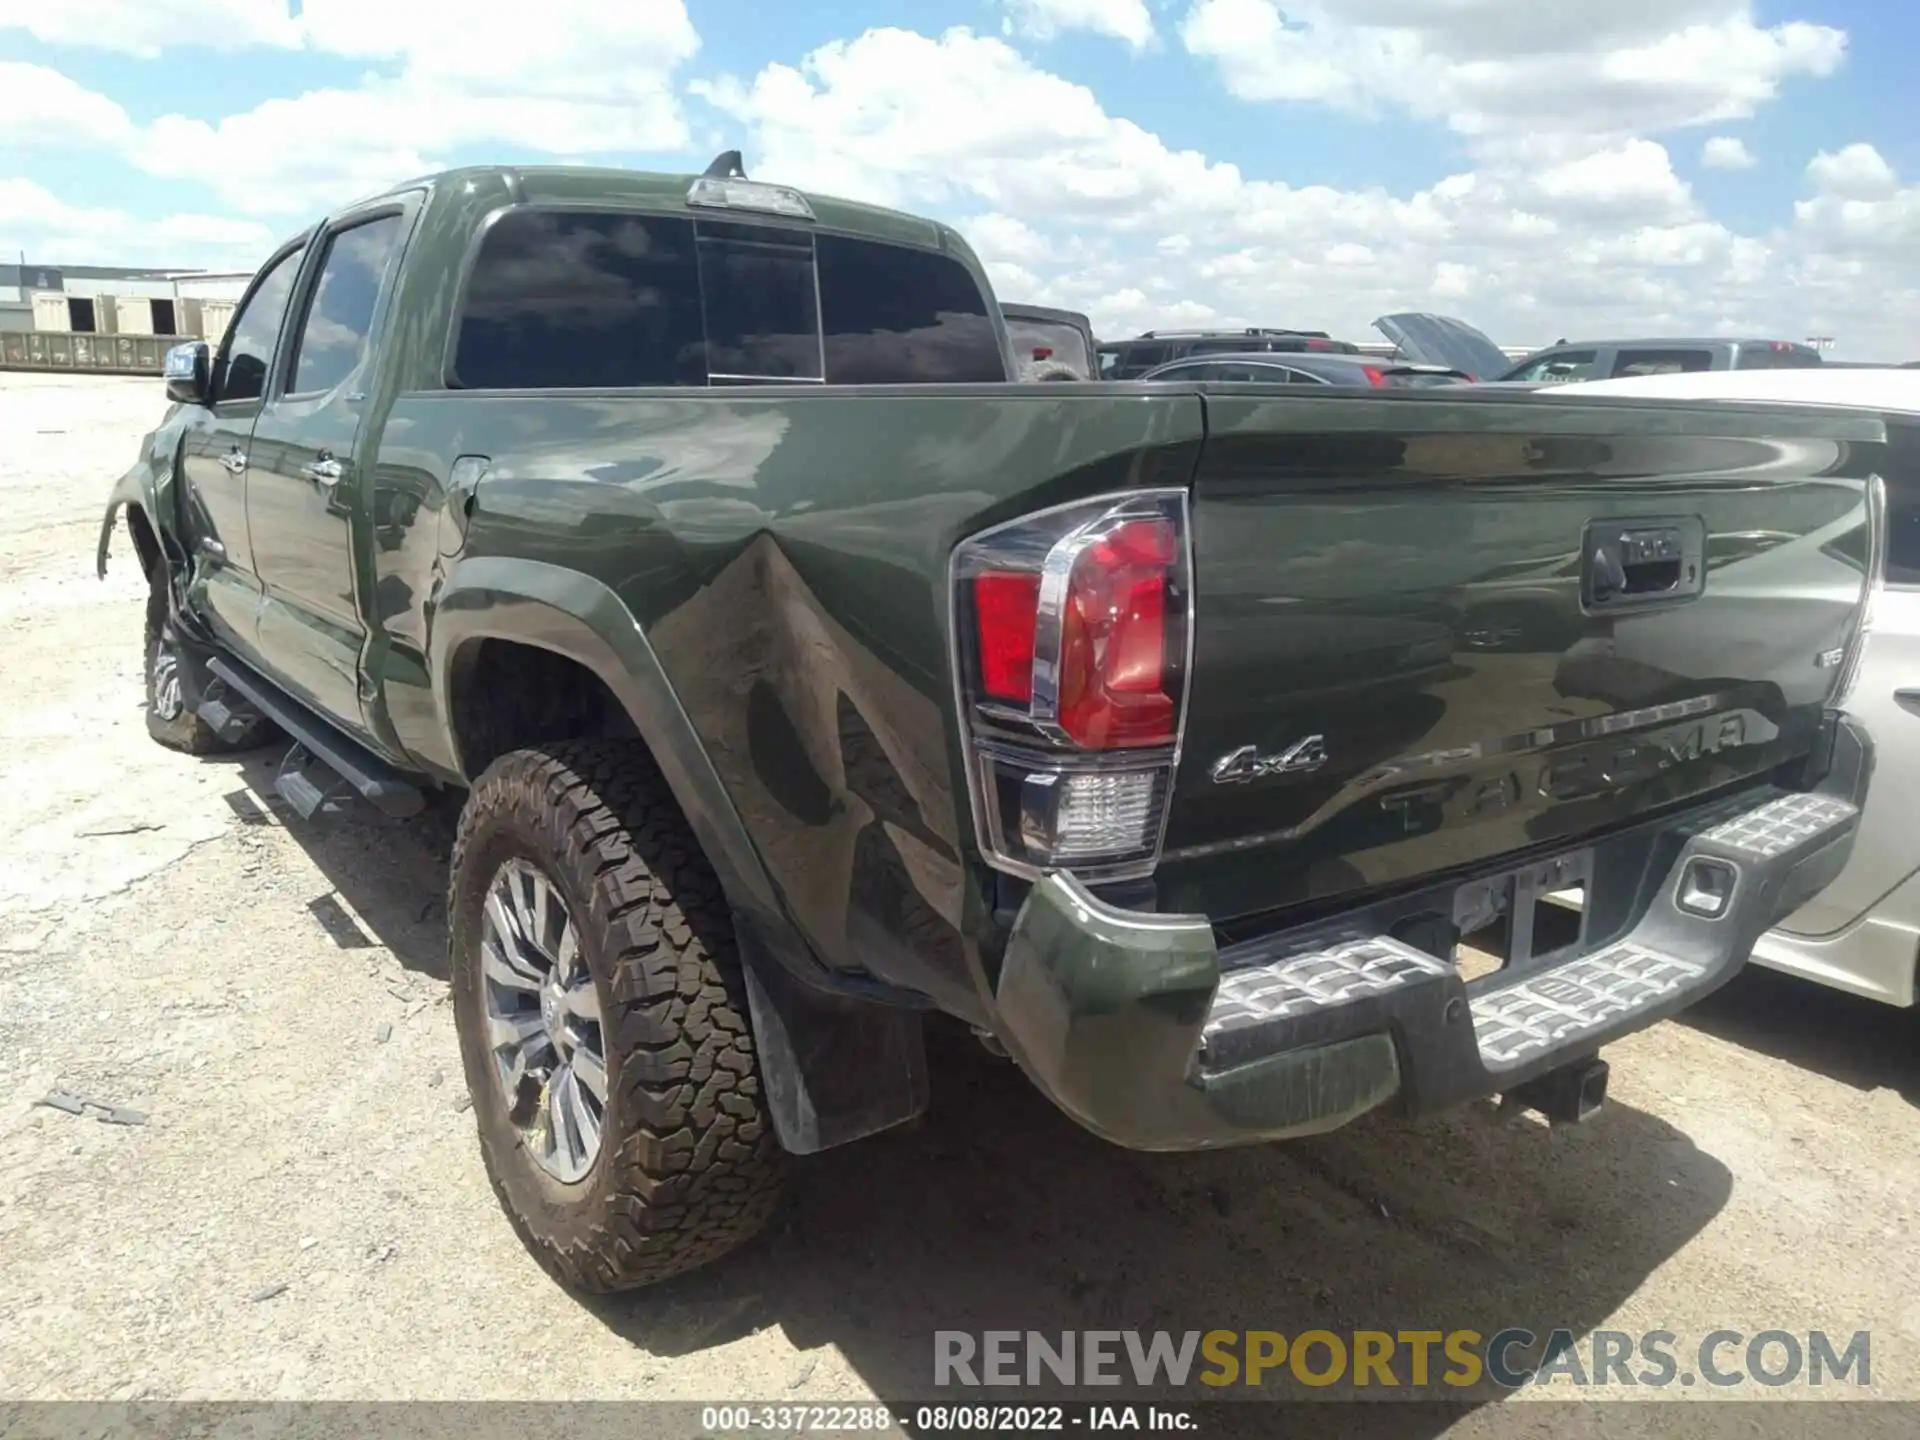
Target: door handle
{"points": [[323, 470], [233, 461], [1908, 700]]}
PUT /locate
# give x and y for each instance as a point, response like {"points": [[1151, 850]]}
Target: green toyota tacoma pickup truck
{"points": [[803, 677]]}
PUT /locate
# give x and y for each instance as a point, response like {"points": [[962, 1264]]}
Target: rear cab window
{"points": [[1778, 355], [579, 299], [1677, 361], [1035, 340]]}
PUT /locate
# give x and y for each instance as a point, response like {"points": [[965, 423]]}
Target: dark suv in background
{"points": [[1131, 359]]}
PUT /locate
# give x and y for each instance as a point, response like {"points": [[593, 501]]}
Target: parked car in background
{"points": [[1624, 359], [1309, 370], [1040, 334], [1444, 340], [1861, 934], [1132, 359]]}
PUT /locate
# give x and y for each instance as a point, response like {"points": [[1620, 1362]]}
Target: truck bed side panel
{"points": [[786, 555]]}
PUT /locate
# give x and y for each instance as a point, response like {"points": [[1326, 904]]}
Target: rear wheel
{"points": [[168, 719], [602, 1023]]}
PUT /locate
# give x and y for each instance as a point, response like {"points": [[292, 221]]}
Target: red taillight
{"points": [[1113, 684], [1043, 352], [1375, 376], [1004, 607], [1074, 626]]}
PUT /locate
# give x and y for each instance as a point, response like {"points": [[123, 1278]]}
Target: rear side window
{"points": [[893, 315], [333, 339], [1662, 362], [561, 300]]}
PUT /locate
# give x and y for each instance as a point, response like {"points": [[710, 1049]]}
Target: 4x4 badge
{"points": [[1247, 763]]}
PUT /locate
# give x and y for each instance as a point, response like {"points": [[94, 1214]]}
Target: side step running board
{"points": [[375, 781]]}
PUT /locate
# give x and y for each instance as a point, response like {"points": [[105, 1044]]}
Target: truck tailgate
{"points": [[1430, 632]]}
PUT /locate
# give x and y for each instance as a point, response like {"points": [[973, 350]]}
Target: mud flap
{"points": [[836, 1069]]}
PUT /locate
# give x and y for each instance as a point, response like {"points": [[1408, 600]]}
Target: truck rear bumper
{"points": [[1150, 1033]]}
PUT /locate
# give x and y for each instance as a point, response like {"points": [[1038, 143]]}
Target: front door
{"points": [[213, 459], [305, 491]]}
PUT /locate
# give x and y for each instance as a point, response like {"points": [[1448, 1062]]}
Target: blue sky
{"points": [[1175, 161]]}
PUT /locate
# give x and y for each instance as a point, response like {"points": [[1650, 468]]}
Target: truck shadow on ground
{"points": [[995, 1212], [1861, 1043]]}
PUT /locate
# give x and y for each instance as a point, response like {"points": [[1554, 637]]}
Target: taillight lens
{"points": [[1375, 376], [1074, 629], [1113, 681], [1004, 606]]}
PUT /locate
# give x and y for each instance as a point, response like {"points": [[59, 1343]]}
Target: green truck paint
{"points": [[759, 575]]}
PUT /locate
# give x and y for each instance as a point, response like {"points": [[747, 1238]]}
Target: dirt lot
{"points": [[304, 1215]]}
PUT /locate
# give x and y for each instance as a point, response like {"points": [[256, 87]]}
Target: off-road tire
{"points": [[688, 1167], [183, 730]]}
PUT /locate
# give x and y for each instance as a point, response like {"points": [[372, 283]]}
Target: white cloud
{"points": [[1859, 172], [1631, 180], [1553, 233], [147, 27], [1564, 215], [1042, 20], [1859, 209], [42, 107], [1490, 66], [35, 220], [587, 80], [1727, 152], [1004, 238]]}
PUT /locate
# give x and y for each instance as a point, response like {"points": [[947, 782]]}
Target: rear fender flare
{"points": [[837, 1066]]}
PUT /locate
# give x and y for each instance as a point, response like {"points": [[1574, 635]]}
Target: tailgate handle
{"points": [[1639, 562], [1642, 563]]}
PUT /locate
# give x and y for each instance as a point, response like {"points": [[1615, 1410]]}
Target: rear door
{"points": [[1344, 542], [306, 497], [213, 456]]}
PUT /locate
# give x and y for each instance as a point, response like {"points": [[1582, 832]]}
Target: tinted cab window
{"points": [[562, 300], [333, 340], [565, 301], [894, 315], [242, 370]]}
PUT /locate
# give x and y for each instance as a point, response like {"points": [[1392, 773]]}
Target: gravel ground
{"points": [[304, 1214]]}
